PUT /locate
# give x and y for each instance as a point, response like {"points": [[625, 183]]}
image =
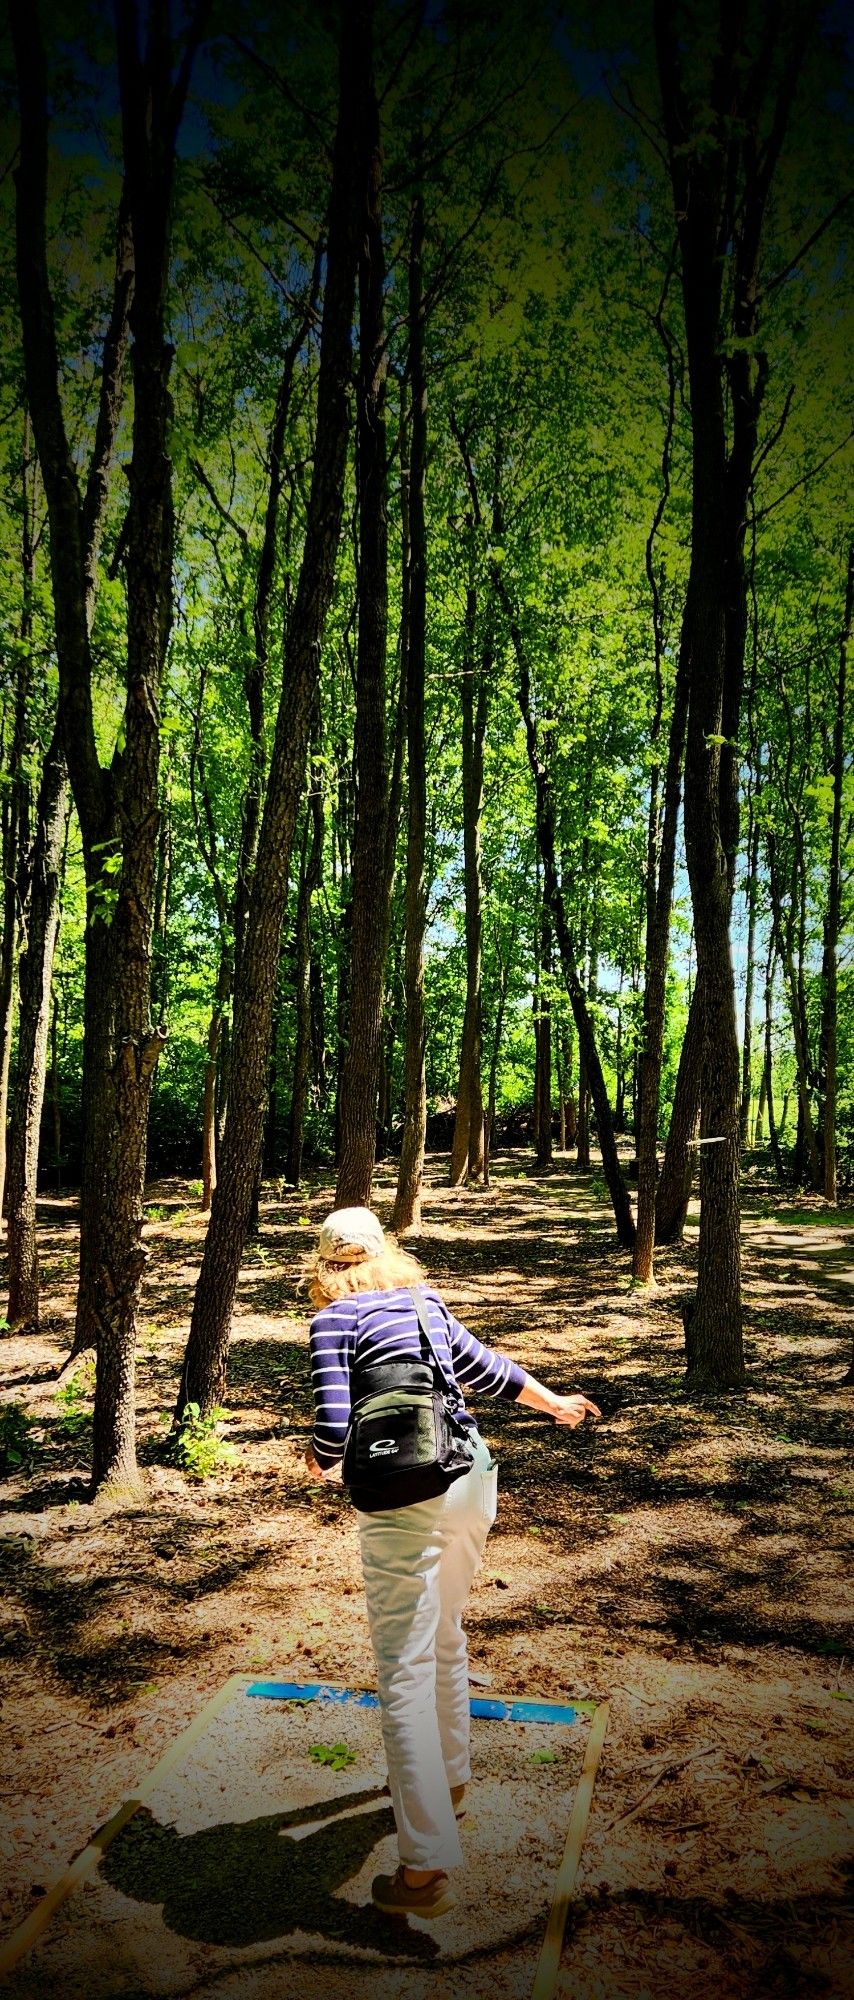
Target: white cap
{"points": [[349, 1235]]}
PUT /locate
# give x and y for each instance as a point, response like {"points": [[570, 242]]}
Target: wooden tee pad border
{"points": [[14, 1947]]}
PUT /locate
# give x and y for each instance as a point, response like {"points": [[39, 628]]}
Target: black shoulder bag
{"points": [[406, 1441]]}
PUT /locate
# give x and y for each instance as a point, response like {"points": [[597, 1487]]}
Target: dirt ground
{"points": [[691, 1561]]}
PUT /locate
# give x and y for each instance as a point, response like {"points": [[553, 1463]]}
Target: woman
{"points": [[418, 1561]]}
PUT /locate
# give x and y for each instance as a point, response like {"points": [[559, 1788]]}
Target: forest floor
{"points": [[688, 1560]]}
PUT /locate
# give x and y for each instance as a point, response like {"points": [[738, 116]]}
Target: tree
{"points": [[371, 884], [722, 159], [206, 1357], [118, 808]]}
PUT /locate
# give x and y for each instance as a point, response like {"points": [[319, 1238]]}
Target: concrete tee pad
{"points": [[246, 1874]]}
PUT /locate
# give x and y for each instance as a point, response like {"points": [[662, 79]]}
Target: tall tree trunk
{"points": [[829, 968], [206, 1359], [793, 975], [371, 887], [660, 904], [722, 163], [310, 882], [554, 897], [467, 1147], [36, 970], [543, 1042], [148, 93], [680, 1153], [489, 1129], [773, 1134], [16, 797], [116, 809], [406, 1213], [747, 1036], [759, 1120]]}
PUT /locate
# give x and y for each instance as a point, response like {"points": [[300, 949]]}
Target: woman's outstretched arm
{"points": [[570, 1410]]}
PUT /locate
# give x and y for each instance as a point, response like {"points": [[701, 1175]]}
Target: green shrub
{"points": [[15, 1441], [74, 1417], [199, 1449]]}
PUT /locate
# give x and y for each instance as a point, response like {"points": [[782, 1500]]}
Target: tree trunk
{"points": [[205, 1363], [773, 1134], [759, 1120], [680, 1153], [16, 798], [554, 897], [406, 1213], [149, 111], [493, 1063], [747, 1037], [36, 970], [467, 1148], [371, 886], [829, 969], [793, 975], [543, 1033], [309, 883], [116, 848], [722, 162], [655, 984]]}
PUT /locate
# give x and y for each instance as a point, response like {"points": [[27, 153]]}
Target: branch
{"points": [[41, 364], [109, 406], [775, 435], [763, 512], [284, 88], [781, 276], [237, 527]]}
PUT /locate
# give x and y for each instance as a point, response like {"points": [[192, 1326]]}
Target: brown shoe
{"points": [[458, 1801], [393, 1894]]}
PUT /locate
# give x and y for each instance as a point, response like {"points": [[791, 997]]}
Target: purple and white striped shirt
{"points": [[383, 1326]]}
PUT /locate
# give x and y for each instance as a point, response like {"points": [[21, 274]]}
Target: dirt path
{"points": [[693, 1562]]}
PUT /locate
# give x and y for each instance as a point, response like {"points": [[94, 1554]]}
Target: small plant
{"points": [[15, 1442], [542, 1757], [336, 1755], [155, 1212], [199, 1449], [74, 1416]]}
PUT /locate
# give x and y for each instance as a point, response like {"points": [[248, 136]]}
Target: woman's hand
{"points": [[316, 1470], [572, 1410]]}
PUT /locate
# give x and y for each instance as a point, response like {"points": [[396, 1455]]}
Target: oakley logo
{"points": [[383, 1448]]}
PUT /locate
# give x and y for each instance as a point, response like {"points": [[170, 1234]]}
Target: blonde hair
{"points": [[328, 1279]]}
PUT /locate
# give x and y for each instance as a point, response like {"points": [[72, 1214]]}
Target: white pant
{"points": [[418, 1564]]}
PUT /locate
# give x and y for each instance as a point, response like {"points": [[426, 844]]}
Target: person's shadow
{"points": [[240, 1884]]}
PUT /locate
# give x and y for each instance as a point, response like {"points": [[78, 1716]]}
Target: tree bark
{"points": [[467, 1146], [117, 809], [773, 1134], [206, 1359], [747, 1036], [310, 882], [832, 920], [406, 1214], [543, 1149], [16, 797], [370, 878], [680, 1153], [722, 162], [553, 894], [36, 969], [655, 984]]}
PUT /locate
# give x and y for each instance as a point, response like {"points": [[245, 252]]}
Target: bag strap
{"points": [[420, 1303]]}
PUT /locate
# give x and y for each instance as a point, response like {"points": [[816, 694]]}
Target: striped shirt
{"points": [[383, 1326]]}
